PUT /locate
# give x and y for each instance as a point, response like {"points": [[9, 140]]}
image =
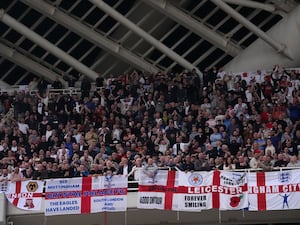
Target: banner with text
{"points": [[278, 190], [86, 195], [26, 195], [156, 190], [233, 190], [215, 189], [193, 191]]}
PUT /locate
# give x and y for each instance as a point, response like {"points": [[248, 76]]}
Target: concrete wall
{"points": [[2, 209], [134, 216]]}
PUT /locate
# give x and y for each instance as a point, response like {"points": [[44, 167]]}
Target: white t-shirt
{"points": [[23, 127], [45, 101], [239, 108], [14, 148], [77, 137], [249, 96], [125, 170]]}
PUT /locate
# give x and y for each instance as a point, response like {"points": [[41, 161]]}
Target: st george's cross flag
{"points": [[26, 195], [156, 190], [171, 190], [277, 190], [222, 190], [233, 190], [86, 195], [193, 191]]}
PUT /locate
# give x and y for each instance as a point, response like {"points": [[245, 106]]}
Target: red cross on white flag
{"points": [[25, 195]]}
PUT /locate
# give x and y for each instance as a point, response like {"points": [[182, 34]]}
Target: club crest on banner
{"points": [[284, 177], [32, 186], [195, 179], [108, 181], [25, 195]]}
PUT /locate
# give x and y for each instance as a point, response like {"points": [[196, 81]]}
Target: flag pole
{"points": [[105, 218], [220, 217], [45, 220], [178, 218], [45, 217], [125, 219]]}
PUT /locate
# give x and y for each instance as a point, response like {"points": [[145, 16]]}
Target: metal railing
{"points": [[133, 184]]}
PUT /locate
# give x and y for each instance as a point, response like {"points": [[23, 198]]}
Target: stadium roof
{"points": [[46, 38]]}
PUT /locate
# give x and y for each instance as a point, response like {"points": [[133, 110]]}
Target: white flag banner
{"points": [[86, 195], [26, 195], [194, 191], [279, 190], [233, 190], [215, 189], [156, 191]]}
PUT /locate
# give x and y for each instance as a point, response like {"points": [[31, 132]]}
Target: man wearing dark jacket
{"points": [[85, 87]]}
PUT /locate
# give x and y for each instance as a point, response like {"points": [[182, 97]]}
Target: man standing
{"points": [[85, 87]]}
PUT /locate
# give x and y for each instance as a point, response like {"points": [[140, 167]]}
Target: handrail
{"points": [[132, 184], [141, 168], [254, 169]]}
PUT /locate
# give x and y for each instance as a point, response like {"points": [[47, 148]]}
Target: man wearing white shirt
{"points": [[137, 169], [48, 132], [221, 73], [248, 93], [126, 104], [77, 135], [14, 146], [163, 143], [295, 81], [63, 153], [179, 146], [260, 76], [239, 107], [23, 127], [255, 160]]}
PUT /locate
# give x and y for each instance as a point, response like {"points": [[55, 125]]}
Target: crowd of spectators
{"points": [[226, 122]]}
